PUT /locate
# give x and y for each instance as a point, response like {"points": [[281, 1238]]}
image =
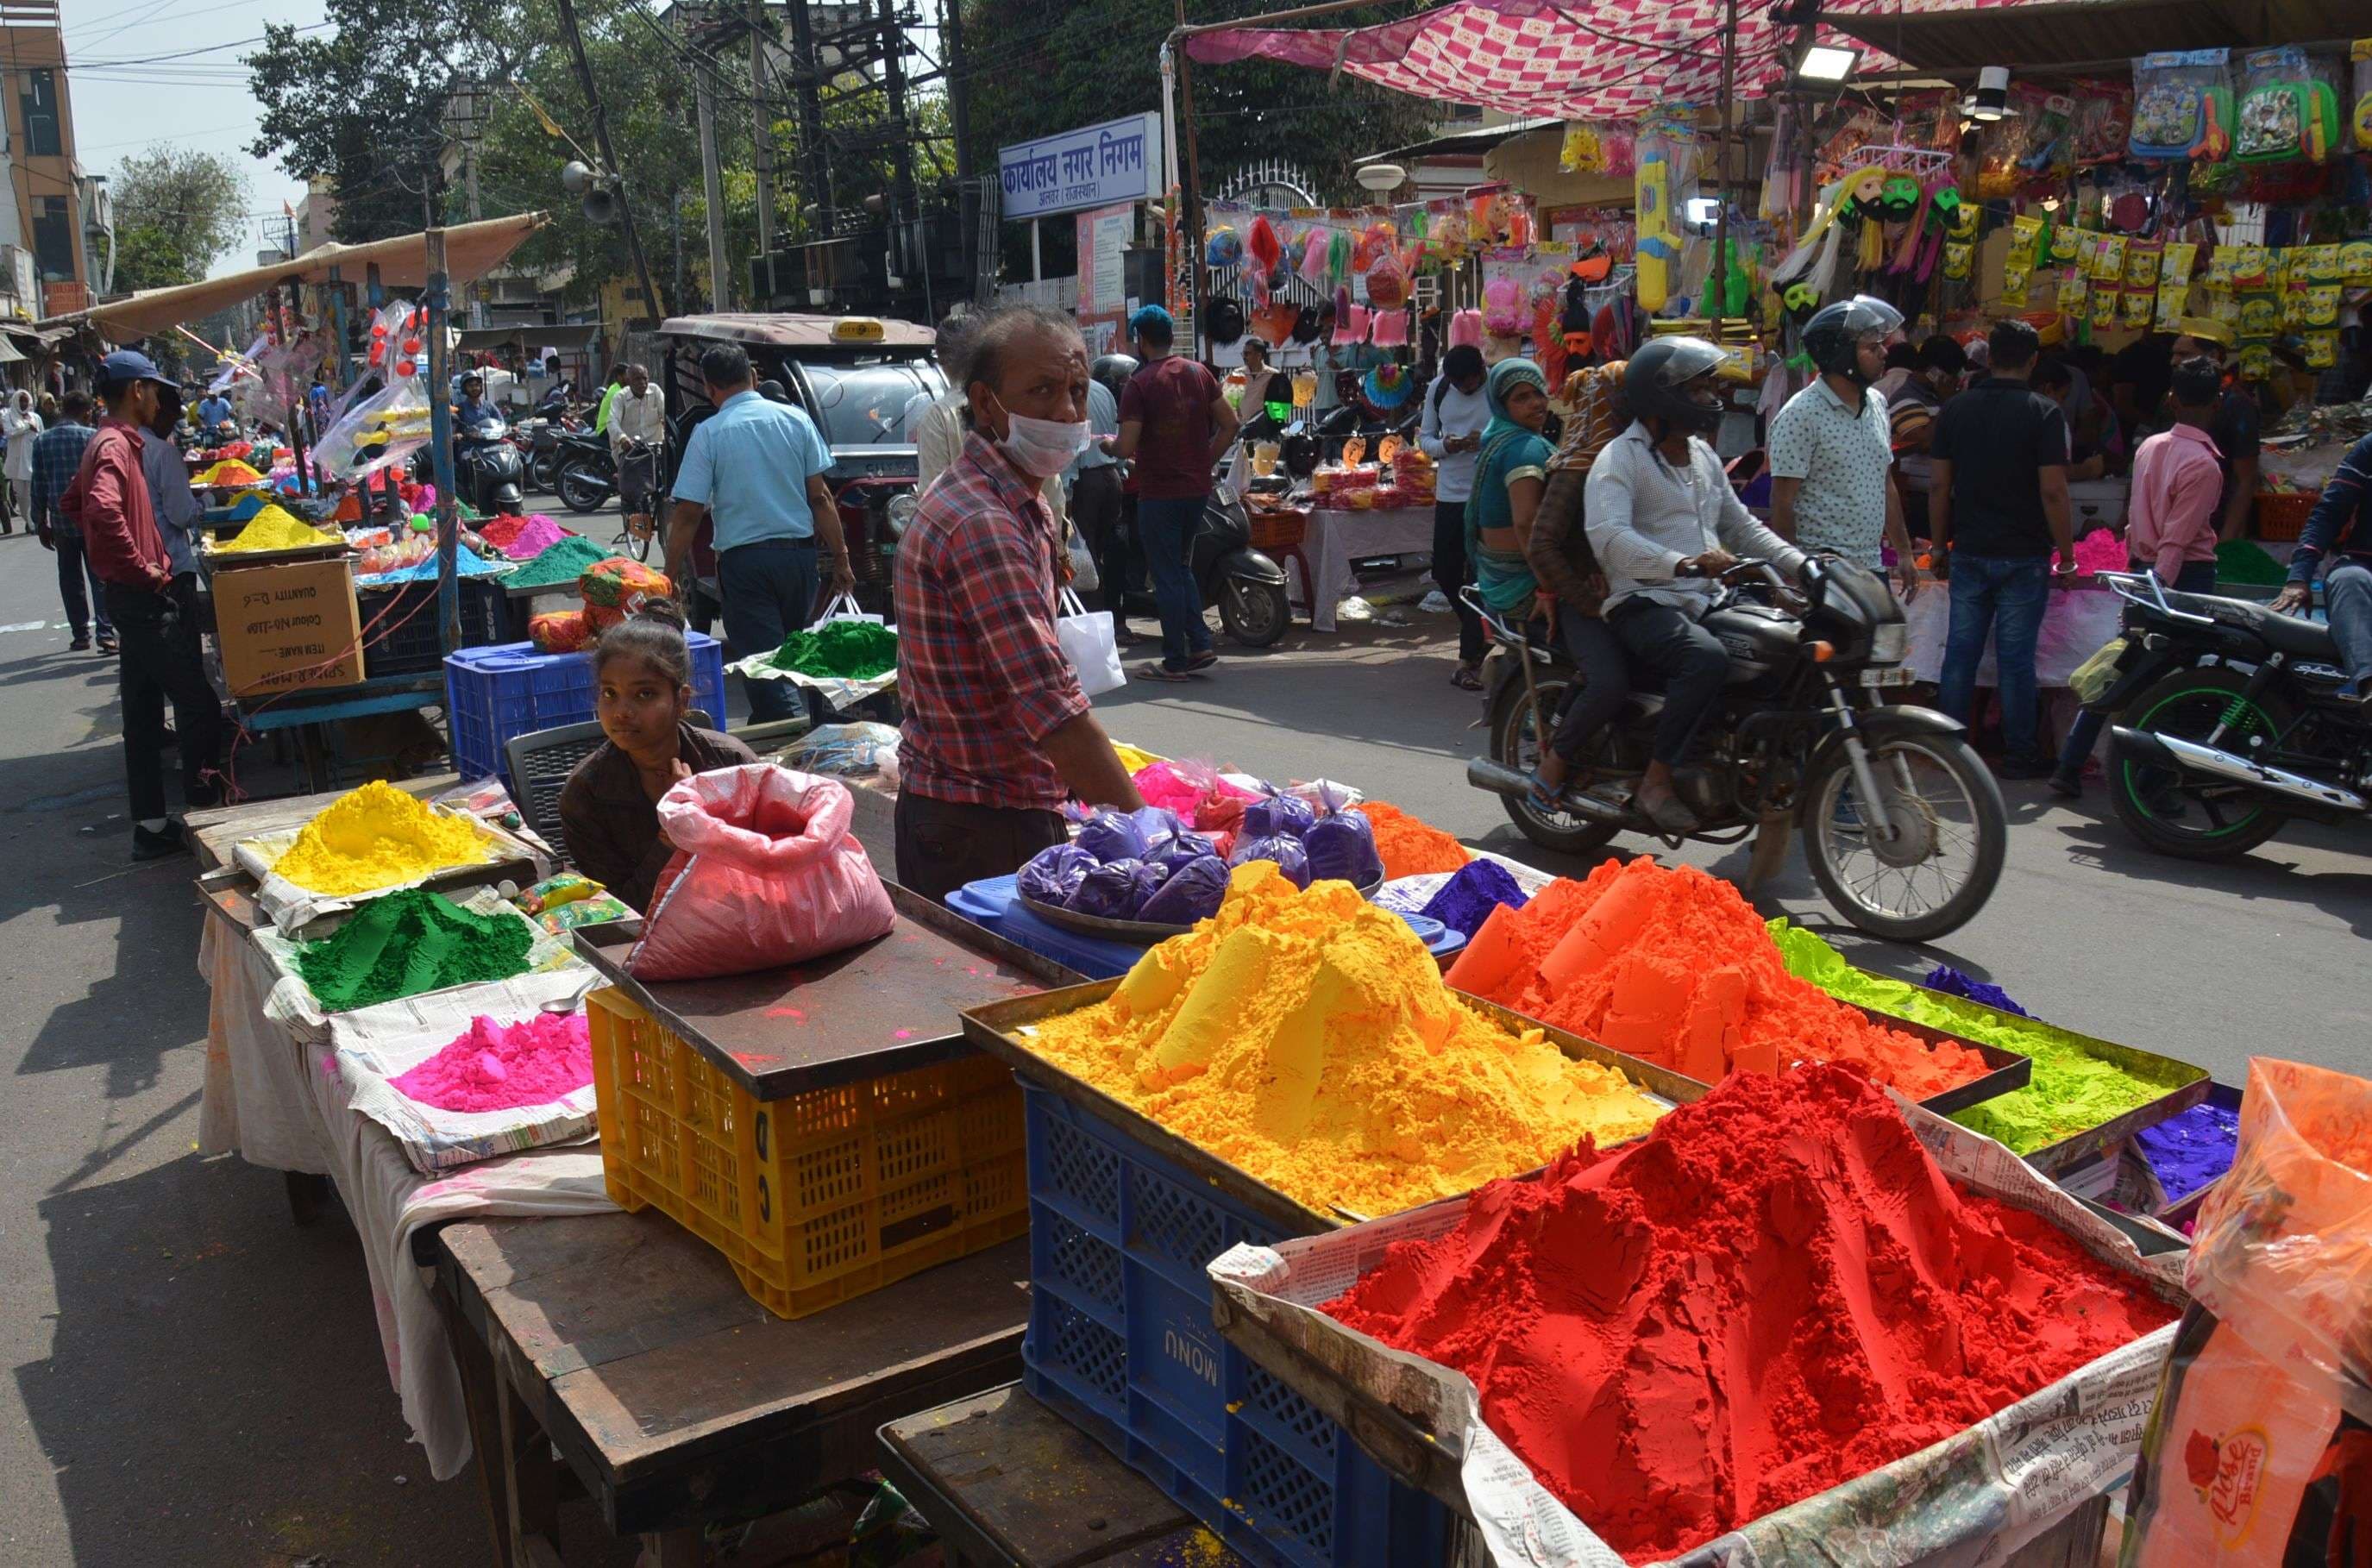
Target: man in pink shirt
{"points": [[2170, 522]]}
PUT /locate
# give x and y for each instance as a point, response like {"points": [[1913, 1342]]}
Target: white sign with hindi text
{"points": [[1096, 165]]}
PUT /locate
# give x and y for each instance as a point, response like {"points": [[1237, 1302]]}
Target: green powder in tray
{"points": [[406, 943], [848, 650]]}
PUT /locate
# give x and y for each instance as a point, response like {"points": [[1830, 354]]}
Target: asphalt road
{"points": [[195, 1380]]}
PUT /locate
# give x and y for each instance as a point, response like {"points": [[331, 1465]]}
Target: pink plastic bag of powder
{"points": [[765, 874], [1202, 799]]}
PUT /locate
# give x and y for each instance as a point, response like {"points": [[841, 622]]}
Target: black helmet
{"points": [[1835, 331], [1113, 370], [1657, 382]]}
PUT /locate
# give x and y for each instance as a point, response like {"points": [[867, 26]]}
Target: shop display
{"points": [[496, 1066], [2182, 105], [523, 539], [2072, 1090], [2190, 1149], [1306, 1037], [378, 837], [1672, 966], [2289, 107], [407, 943], [1788, 1294], [275, 527]]}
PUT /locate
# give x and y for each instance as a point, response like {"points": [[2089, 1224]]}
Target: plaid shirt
{"points": [[57, 453], [980, 672]]}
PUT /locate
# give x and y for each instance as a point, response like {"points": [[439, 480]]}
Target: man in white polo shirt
{"points": [[1832, 447]]}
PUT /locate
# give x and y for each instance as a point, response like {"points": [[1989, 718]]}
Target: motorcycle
{"points": [[583, 473], [1247, 586], [488, 471], [2227, 721], [1904, 825], [541, 435]]}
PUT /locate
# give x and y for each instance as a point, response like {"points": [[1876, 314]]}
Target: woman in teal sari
{"points": [[1510, 477]]}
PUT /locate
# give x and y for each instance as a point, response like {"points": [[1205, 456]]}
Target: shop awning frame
{"points": [[471, 250], [2060, 35], [567, 336]]}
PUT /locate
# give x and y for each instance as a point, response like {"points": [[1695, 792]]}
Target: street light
{"points": [[1990, 100], [1827, 63], [1381, 177]]}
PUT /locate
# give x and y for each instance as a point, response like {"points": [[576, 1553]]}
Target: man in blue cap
{"points": [[153, 608], [1174, 423]]}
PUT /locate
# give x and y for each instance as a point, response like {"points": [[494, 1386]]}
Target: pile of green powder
{"points": [[851, 650], [2071, 1091], [407, 943], [2245, 561], [560, 565]]}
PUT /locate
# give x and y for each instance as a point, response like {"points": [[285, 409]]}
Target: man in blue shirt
{"points": [[748, 465], [2337, 542], [178, 513], [214, 410], [57, 454]]}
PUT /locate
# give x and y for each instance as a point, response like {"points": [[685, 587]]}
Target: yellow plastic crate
{"points": [[820, 1197]]}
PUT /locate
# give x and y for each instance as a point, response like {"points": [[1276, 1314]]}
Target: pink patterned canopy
{"points": [[1594, 60]]}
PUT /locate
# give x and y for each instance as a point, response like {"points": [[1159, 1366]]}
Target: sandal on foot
{"points": [[1162, 672]]}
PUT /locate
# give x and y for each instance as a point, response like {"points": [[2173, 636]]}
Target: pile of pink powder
{"points": [[493, 1066]]}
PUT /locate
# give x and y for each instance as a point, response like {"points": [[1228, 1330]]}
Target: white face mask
{"points": [[1043, 447]]}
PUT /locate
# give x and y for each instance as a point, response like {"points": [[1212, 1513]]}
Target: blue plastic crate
{"points": [[1120, 1341], [492, 694]]}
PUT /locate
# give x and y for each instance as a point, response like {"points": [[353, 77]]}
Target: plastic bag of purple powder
{"points": [[1473, 890], [1117, 889], [1290, 858], [1052, 875], [1344, 846], [1952, 983], [1173, 851], [1279, 816], [1193, 892], [1155, 822], [1111, 835]]}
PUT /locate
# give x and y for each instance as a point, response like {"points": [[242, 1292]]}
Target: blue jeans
{"points": [[2196, 578], [1165, 529], [2347, 601], [770, 591], [78, 584], [2006, 598]]}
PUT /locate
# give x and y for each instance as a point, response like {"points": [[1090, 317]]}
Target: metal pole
{"points": [[1192, 193], [1717, 275], [958, 84], [762, 133], [610, 158], [815, 167], [297, 406], [893, 80], [440, 448], [476, 289], [338, 325], [712, 185], [679, 242]]}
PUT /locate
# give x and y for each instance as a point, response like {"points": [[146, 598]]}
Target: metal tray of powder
{"points": [[2186, 1085], [997, 1028], [2008, 1070], [883, 1006]]}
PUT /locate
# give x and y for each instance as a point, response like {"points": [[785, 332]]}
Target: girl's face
{"points": [[1528, 406], [639, 706]]}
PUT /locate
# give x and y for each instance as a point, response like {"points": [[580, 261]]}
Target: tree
{"points": [[176, 210]]}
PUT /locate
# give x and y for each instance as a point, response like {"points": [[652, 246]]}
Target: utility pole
{"points": [[469, 187], [610, 158], [679, 242], [958, 87], [712, 185], [815, 172], [893, 79], [762, 131]]}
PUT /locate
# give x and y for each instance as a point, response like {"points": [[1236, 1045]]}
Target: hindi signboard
{"points": [[1096, 165]]}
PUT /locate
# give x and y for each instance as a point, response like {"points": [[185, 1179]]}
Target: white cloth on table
{"points": [[255, 1105], [2076, 622], [1335, 538]]}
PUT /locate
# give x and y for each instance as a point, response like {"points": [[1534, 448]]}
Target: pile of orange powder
{"points": [[1409, 845], [1673, 967]]}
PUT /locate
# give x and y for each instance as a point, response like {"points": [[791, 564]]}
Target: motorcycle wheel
{"points": [[540, 474], [1944, 868], [1255, 614], [580, 488], [2206, 821], [1515, 745]]}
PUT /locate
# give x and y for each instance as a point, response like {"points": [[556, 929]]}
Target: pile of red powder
{"points": [[1775, 1291], [496, 1066], [1675, 968]]}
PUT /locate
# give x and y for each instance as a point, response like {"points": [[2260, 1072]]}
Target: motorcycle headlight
{"points": [[901, 512], [1889, 643]]}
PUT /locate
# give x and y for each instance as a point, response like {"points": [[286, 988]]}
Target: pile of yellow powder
{"points": [[1307, 1039], [378, 837], [275, 527]]}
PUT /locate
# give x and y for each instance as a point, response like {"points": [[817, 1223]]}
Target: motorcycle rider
{"points": [[473, 409], [2338, 540], [1664, 524]]}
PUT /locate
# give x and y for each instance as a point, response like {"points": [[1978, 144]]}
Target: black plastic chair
{"points": [[540, 762]]}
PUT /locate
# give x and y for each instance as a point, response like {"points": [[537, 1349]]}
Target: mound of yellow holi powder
{"points": [[275, 527], [1307, 1039], [377, 837]]}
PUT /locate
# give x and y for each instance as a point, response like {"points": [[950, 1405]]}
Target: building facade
{"points": [[53, 210]]}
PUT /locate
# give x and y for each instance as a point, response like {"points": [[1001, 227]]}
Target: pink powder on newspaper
{"points": [[496, 1066]]}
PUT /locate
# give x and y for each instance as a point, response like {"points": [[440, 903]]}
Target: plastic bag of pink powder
{"points": [[1196, 792], [765, 874]]}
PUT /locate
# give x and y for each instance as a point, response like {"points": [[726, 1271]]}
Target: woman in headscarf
{"points": [[1510, 475]]}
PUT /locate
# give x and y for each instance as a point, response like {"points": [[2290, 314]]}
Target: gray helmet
{"points": [[1657, 382], [1835, 331], [1113, 370]]}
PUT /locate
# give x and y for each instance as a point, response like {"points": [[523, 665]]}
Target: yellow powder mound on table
{"points": [[1307, 1039], [275, 527], [375, 838]]}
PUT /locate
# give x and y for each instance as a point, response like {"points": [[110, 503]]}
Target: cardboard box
{"points": [[287, 627]]}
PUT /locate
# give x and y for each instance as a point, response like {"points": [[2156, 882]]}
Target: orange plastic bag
{"points": [[2259, 1448], [765, 872]]}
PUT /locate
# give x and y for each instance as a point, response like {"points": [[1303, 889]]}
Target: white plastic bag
{"points": [[845, 608], [1088, 642]]}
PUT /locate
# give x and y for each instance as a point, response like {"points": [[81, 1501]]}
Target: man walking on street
{"points": [[758, 466], [1832, 453], [1174, 425], [637, 440], [1450, 431], [1999, 504], [56, 456], [155, 611]]}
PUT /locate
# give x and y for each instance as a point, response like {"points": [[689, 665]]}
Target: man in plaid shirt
{"points": [[57, 453], [998, 732]]}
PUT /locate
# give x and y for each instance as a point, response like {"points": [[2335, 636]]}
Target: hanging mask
{"points": [[1222, 248], [1898, 198], [1801, 301], [1862, 193]]}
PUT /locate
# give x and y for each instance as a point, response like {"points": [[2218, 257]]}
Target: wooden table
{"points": [[672, 1397], [1008, 1484]]}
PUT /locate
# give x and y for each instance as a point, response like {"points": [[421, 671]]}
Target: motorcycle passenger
{"points": [[1569, 575], [1664, 523], [2338, 540], [1509, 474]]}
